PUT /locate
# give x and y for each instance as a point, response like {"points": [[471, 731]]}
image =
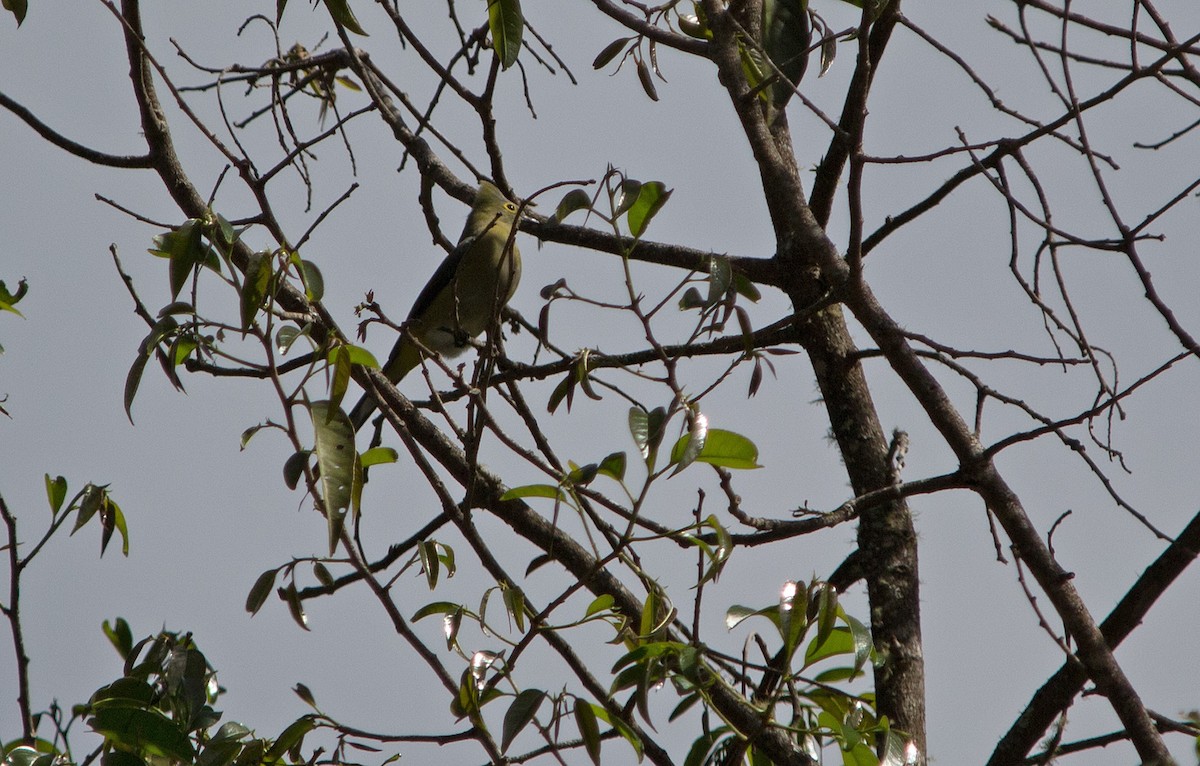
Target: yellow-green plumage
{"points": [[469, 287]]}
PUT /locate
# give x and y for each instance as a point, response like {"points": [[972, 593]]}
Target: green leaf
{"points": [[895, 750], [703, 745], [589, 729], [290, 737], [310, 275], [226, 234], [753, 70], [185, 249], [622, 728], [840, 641], [693, 443], [360, 356], [514, 602], [260, 591], [576, 199], [533, 490], [436, 607], [120, 636], [825, 602], [286, 336], [719, 555], [735, 614], [630, 189], [142, 730], [685, 704], [506, 25], [651, 198], [446, 556], [254, 288], [217, 751], [523, 710], [113, 519], [722, 448], [19, 755], [693, 26], [379, 456], [599, 604], [795, 615], [720, 278], [91, 499], [124, 692], [249, 434], [746, 288], [323, 575], [647, 431], [340, 470], [427, 552], [341, 13], [56, 493], [339, 358], [8, 301], [862, 639], [564, 390], [582, 475], [613, 466], [691, 299], [162, 329]]}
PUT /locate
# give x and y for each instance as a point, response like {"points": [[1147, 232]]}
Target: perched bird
{"points": [[474, 281]]}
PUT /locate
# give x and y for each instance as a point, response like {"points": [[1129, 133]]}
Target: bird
{"points": [[475, 280]]}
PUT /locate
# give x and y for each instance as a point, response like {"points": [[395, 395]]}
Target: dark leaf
{"points": [[576, 199], [18, 7], [323, 575], [260, 590], [133, 379], [293, 468], [647, 80], [290, 737], [120, 636], [520, 713], [609, 52], [304, 693], [292, 598], [589, 729], [613, 466]]}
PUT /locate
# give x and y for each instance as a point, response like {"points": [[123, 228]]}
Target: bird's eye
{"points": [[510, 207]]}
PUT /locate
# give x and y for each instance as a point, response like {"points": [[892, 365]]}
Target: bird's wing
{"points": [[441, 278]]}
